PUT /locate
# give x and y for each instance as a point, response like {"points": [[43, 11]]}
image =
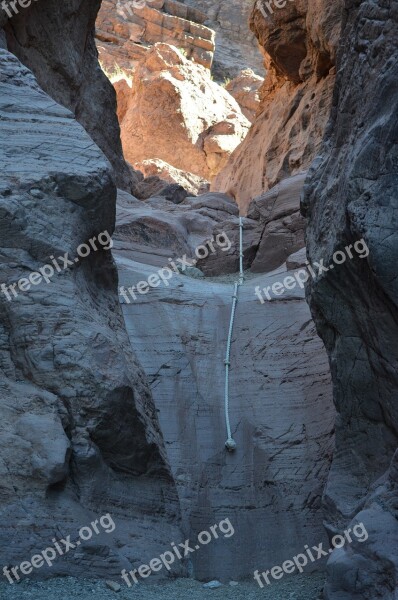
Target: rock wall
{"points": [[236, 47], [56, 41], [280, 405], [176, 113], [79, 431], [351, 195], [126, 30], [299, 43]]}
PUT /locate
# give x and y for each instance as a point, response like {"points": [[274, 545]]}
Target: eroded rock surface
{"points": [[245, 89], [176, 113], [79, 431], [352, 195], [56, 41], [236, 46], [299, 43], [126, 30], [281, 409]]}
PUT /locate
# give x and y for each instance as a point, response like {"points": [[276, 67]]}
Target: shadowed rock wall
{"points": [[352, 194], [79, 431], [56, 41]]}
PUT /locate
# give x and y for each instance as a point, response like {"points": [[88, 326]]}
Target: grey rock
{"points": [[351, 194], [56, 41], [79, 434], [296, 260], [212, 585], [281, 407], [112, 585]]}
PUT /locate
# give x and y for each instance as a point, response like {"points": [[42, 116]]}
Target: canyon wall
{"points": [[236, 47], [56, 41], [126, 30], [79, 431], [351, 194], [299, 43]]}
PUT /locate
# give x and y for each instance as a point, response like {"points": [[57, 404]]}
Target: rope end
{"points": [[230, 445]]}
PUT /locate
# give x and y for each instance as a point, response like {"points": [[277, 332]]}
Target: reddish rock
{"points": [[176, 113]]}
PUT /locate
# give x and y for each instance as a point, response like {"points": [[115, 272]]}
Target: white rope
{"points": [[230, 444]]}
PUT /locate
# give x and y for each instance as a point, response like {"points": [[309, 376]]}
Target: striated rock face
{"points": [[299, 42], [56, 41], [125, 30], [351, 195], [281, 408], [79, 431], [245, 89], [176, 113], [236, 47]]}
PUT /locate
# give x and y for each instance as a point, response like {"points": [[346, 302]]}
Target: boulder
{"points": [[245, 89], [194, 184], [178, 114]]}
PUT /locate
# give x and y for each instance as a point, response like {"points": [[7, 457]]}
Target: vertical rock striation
{"points": [[351, 194]]}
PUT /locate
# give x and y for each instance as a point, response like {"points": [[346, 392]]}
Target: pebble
{"points": [[212, 585]]}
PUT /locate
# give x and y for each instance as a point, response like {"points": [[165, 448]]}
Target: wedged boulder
{"points": [[194, 184], [176, 113], [281, 223], [79, 435], [245, 89]]}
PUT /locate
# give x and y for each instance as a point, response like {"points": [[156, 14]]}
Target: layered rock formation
{"points": [[281, 412], [126, 30], [176, 113], [236, 47], [245, 89], [56, 41], [352, 195], [299, 43], [79, 430]]}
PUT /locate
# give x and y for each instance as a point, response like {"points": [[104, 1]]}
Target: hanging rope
{"points": [[230, 444]]}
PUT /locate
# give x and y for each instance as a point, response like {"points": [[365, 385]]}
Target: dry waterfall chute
{"points": [[230, 444]]}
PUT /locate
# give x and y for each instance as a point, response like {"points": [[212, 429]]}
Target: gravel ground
{"points": [[299, 587]]}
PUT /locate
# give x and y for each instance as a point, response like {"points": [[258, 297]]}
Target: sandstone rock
{"points": [[178, 114], [56, 41], [79, 433], [125, 30], [123, 93], [194, 184], [236, 47], [299, 43], [245, 89], [281, 223], [351, 194]]}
